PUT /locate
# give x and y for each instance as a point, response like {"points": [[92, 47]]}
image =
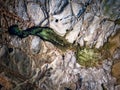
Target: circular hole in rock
{"points": [[10, 50], [56, 20]]}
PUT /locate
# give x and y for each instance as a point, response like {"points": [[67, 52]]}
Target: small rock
{"points": [[21, 10], [16, 41], [81, 41], [90, 35], [63, 21], [76, 8], [72, 62], [59, 6], [35, 45], [35, 13], [72, 36], [107, 30], [117, 54], [107, 65]]}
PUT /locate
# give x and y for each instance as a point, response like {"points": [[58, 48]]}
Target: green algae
{"points": [[88, 57], [14, 30], [44, 33], [85, 56]]}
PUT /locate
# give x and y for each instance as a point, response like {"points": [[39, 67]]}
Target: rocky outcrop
{"points": [[32, 63]]}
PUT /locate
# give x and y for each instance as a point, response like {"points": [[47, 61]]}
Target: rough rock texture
{"points": [[34, 64], [68, 71], [35, 45]]}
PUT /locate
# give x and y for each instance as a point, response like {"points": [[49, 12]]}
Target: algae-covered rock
{"points": [[75, 44], [88, 57]]}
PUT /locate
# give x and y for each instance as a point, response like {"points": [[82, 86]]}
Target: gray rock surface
{"points": [[35, 45], [35, 13], [34, 64], [117, 87], [21, 11], [67, 70]]}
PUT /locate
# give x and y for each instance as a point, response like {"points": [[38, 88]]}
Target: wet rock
{"points": [[35, 45]]}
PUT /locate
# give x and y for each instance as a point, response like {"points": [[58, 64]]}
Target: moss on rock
{"points": [[88, 57]]}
